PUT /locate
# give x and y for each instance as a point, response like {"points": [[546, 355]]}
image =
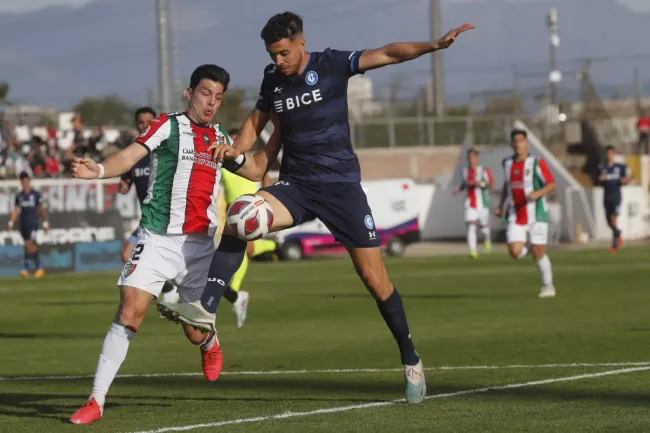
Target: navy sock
{"points": [[392, 310], [37, 260], [230, 295], [225, 262], [26, 258]]}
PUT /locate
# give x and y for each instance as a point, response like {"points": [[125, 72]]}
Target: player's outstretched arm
{"points": [[113, 166], [398, 52]]}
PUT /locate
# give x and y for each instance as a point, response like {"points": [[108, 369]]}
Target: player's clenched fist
{"points": [[85, 168]]}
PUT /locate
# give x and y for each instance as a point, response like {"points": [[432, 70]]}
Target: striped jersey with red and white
{"points": [[522, 178], [477, 197], [184, 179]]}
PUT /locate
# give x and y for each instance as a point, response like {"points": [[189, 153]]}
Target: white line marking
{"points": [[337, 371], [286, 415]]}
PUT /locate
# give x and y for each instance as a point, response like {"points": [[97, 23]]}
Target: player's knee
{"points": [[515, 251], [131, 315]]}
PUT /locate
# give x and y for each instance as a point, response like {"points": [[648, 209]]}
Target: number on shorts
{"points": [[137, 250]]}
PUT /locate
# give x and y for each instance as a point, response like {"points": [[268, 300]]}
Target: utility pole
{"points": [[164, 65], [436, 87], [554, 76]]}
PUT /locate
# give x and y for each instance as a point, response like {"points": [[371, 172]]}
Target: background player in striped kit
{"points": [[178, 225], [612, 176], [527, 183], [477, 181]]}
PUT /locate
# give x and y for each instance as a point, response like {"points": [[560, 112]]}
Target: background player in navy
{"points": [[138, 176], [305, 95], [612, 176], [29, 206]]}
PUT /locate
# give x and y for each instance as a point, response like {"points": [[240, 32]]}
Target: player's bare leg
{"points": [[616, 233], [372, 271], [32, 253], [545, 270], [472, 238], [517, 250], [130, 314]]}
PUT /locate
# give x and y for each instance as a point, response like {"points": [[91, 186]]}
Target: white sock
{"points": [[523, 253], [471, 237], [116, 344], [485, 231], [209, 341], [545, 270]]}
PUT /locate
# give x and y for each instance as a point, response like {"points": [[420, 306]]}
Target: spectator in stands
{"points": [[643, 127], [22, 133], [7, 132], [53, 166]]}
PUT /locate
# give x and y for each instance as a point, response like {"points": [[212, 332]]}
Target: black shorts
{"points": [[341, 206], [612, 208], [28, 233]]}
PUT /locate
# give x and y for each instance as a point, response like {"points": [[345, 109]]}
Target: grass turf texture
{"points": [[316, 315]]}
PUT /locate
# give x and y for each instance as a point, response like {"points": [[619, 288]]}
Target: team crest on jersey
{"points": [[311, 78], [129, 268], [206, 139], [370, 223]]}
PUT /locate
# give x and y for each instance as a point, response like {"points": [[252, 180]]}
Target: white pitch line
{"points": [[285, 415], [337, 371]]}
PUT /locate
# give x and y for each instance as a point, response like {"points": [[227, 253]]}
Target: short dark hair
{"points": [[609, 147], [516, 132], [23, 175], [233, 131], [144, 110], [210, 72], [472, 150], [286, 25]]}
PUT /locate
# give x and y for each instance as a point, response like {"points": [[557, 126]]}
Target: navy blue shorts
{"points": [[341, 206], [28, 233], [612, 208]]}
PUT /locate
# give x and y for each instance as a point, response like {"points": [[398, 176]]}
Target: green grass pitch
{"points": [[316, 356]]}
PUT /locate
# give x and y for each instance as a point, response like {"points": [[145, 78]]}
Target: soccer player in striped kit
{"points": [[477, 181], [177, 228], [527, 183]]}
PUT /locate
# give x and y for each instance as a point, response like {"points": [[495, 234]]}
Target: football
{"points": [[250, 216]]}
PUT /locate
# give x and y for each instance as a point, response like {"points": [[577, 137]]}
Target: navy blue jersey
{"points": [[313, 111], [28, 203], [139, 176], [614, 174]]}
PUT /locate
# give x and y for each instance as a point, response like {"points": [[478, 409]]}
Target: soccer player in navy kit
{"points": [[612, 176], [305, 96], [29, 205]]}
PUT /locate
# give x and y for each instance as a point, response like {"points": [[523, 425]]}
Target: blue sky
{"points": [[33, 5]]}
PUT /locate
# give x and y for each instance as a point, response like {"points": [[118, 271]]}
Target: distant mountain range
{"points": [[58, 55]]}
